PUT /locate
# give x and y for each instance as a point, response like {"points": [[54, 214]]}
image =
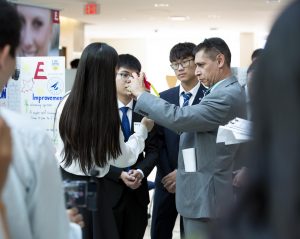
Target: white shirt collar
{"points": [[193, 90], [129, 105]]}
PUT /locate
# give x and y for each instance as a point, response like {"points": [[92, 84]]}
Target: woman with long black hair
{"points": [[90, 130]]}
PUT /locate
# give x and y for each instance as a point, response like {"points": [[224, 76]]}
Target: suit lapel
{"points": [[135, 117], [173, 96], [199, 95]]}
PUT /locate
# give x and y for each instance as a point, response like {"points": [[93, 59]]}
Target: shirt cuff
{"points": [[139, 170], [141, 131]]}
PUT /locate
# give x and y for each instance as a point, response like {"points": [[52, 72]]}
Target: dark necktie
{"points": [[186, 98], [125, 123], [207, 92]]}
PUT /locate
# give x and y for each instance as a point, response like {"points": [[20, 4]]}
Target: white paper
{"points": [[189, 159], [236, 131], [136, 126]]}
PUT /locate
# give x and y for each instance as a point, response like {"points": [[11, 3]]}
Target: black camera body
{"points": [[81, 193], [16, 74]]}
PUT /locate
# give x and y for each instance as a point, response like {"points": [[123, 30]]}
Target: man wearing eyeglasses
{"points": [[190, 91], [128, 187], [204, 193]]}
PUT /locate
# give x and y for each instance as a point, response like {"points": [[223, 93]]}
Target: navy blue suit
{"points": [[130, 206], [164, 208]]}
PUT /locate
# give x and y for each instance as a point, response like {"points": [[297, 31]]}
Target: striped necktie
{"points": [[125, 123], [186, 98]]}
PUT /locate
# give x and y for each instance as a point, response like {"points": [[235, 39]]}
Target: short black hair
{"points": [[10, 27], [214, 46], [257, 53], [74, 63], [130, 62], [181, 51]]}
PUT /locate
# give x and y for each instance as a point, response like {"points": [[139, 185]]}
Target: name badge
{"points": [[136, 126]]}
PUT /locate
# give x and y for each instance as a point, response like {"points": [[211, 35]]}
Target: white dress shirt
{"points": [[33, 193], [129, 150], [129, 115]]}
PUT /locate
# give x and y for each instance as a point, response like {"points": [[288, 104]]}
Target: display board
{"points": [[38, 90]]}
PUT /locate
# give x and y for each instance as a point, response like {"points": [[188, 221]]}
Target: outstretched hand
{"points": [[75, 216], [135, 85]]}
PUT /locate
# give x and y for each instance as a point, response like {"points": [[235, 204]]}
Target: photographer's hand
{"points": [[75, 216]]}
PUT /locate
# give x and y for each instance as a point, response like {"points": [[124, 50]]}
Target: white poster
{"points": [[39, 89]]}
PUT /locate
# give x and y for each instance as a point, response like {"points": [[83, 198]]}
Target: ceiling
{"points": [[139, 18]]}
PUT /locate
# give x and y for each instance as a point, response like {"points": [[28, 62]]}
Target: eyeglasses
{"points": [[184, 64], [124, 75]]}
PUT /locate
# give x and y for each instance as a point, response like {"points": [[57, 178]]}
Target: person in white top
{"points": [[90, 130], [5, 160], [32, 194]]}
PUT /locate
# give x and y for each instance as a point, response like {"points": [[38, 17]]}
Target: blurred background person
{"points": [[5, 159], [269, 208], [38, 32], [242, 158], [256, 54], [33, 194], [74, 63]]}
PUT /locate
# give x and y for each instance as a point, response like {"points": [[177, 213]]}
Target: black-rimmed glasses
{"points": [[184, 64], [124, 75]]}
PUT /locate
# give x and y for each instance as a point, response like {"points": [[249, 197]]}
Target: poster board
{"points": [[38, 91]]}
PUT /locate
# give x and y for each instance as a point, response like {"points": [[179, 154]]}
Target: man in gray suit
{"points": [[204, 195]]}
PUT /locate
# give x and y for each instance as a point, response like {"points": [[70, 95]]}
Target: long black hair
{"points": [[89, 124]]}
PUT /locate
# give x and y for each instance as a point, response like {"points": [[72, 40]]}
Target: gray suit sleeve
{"points": [[212, 111]]}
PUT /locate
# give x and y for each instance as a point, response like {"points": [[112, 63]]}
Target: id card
{"points": [[136, 126]]}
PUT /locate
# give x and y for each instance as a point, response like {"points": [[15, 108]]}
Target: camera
{"points": [[16, 74], [80, 193], [17, 71], [75, 193]]}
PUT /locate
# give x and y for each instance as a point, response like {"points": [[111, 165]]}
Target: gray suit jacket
{"points": [[207, 192]]}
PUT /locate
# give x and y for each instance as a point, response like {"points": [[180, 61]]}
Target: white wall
{"points": [[153, 52], [71, 37]]}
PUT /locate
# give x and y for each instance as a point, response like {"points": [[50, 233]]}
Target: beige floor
{"points": [[176, 231]]}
